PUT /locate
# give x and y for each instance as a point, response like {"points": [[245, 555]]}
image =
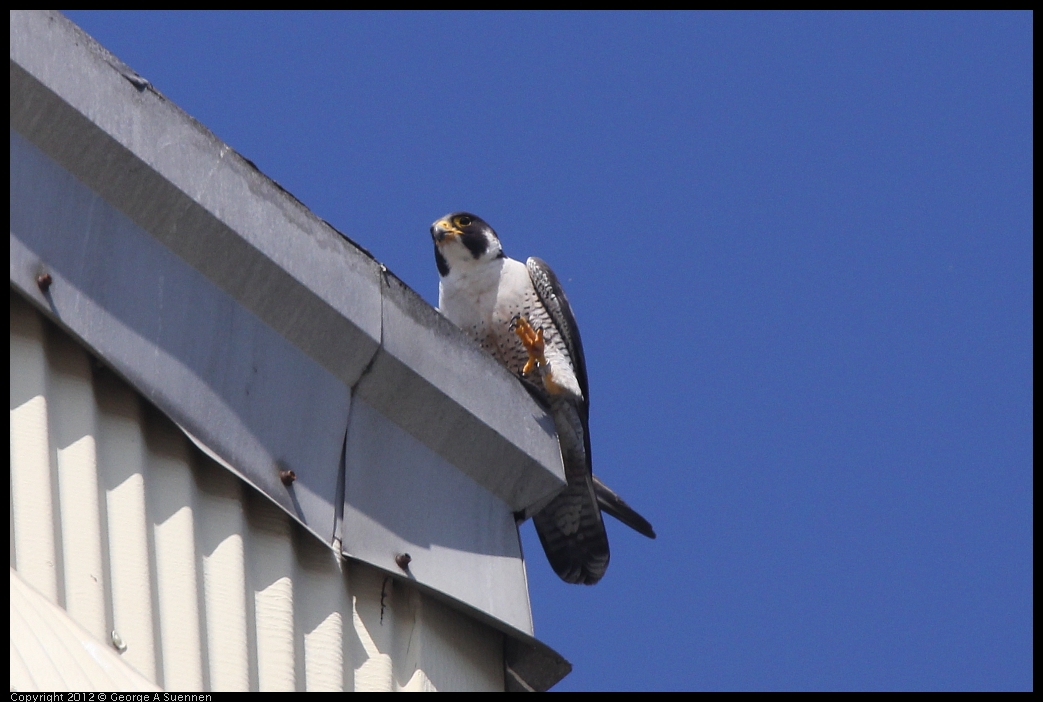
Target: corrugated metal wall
{"points": [[120, 520]]}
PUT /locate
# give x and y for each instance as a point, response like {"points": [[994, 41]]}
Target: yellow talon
{"points": [[536, 357], [532, 340]]}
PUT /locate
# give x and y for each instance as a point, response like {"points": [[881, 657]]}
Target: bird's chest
{"points": [[484, 306]]}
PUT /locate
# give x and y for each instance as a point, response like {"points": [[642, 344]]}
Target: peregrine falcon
{"points": [[518, 312]]}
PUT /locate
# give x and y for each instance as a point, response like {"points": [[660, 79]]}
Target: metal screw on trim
{"points": [[403, 560], [287, 477], [117, 642], [43, 281]]}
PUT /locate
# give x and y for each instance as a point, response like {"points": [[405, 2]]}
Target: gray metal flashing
{"points": [[187, 346], [392, 481], [272, 339]]}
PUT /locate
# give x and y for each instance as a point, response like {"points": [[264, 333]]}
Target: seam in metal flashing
{"points": [[342, 465]]}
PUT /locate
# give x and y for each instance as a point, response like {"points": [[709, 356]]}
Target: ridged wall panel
{"points": [[146, 542]]}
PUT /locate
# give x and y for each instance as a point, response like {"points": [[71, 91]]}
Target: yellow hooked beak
{"points": [[443, 230]]}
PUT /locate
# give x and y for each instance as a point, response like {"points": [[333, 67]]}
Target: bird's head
{"points": [[463, 239]]}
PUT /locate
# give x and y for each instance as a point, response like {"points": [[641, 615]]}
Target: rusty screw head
{"points": [[403, 560], [43, 281], [287, 477]]}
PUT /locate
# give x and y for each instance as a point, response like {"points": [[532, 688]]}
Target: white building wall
{"points": [[120, 520], [49, 651]]}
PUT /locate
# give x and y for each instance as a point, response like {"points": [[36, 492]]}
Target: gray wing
{"points": [[570, 526], [551, 294]]}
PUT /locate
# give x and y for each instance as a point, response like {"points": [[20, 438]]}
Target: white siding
{"points": [[49, 651], [121, 521]]}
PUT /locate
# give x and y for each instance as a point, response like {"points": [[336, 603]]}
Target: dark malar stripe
{"points": [[443, 265]]}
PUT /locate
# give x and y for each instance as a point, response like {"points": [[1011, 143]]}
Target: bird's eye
{"points": [[463, 221]]}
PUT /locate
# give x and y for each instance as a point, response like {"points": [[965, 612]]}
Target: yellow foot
{"points": [[532, 340]]}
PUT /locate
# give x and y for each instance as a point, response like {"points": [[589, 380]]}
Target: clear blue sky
{"points": [[799, 248]]}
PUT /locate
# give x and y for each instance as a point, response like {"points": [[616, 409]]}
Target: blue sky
{"points": [[799, 248]]}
